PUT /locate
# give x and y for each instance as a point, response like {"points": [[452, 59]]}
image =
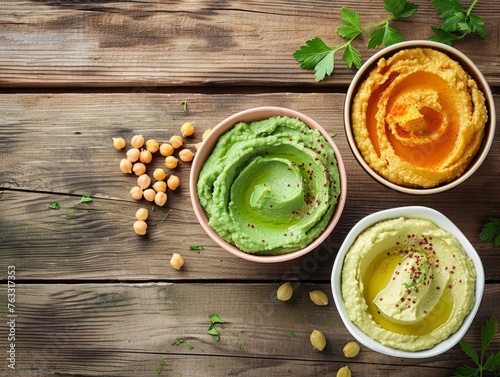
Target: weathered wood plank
{"points": [[127, 330], [57, 147], [122, 43]]}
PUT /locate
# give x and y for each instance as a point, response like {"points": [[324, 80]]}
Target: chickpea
{"points": [[186, 155], [173, 182], [142, 214], [166, 149], [140, 227], [133, 154], [160, 186], [318, 340], [205, 134], [197, 146], [143, 181], [187, 129], [149, 194], [285, 292], [344, 372], [119, 142], [139, 168], [319, 297], [176, 261], [145, 156], [351, 349], [136, 193], [160, 199], [176, 141], [126, 166], [159, 174], [137, 141], [171, 162], [152, 145]]}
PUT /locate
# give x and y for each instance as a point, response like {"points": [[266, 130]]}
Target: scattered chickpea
{"points": [[119, 142], [159, 174], [173, 182], [126, 166], [152, 145], [136, 192], [318, 297], [351, 349], [145, 156], [133, 154], [171, 162], [160, 186], [344, 372], [205, 134], [144, 181], [160, 199], [139, 168], [285, 292], [176, 141], [318, 340], [187, 129], [140, 227], [142, 214], [176, 261], [166, 149], [149, 194], [186, 155], [197, 145], [137, 141]]}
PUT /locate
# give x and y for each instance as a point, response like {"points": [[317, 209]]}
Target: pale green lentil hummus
{"points": [[271, 186]]}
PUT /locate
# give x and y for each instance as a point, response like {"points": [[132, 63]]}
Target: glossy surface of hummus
{"points": [[407, 283], [271, 186], [418, 118]]}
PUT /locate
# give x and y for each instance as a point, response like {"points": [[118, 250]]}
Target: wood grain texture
{"points": [[177, 43], [128, 329], [57, 147]]}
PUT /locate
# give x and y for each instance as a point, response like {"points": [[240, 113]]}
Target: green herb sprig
{"points": [[458, 22], [491, 364], [491, 232], [214, 319], [318, 55]]}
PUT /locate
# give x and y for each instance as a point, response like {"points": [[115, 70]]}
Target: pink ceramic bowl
{"points": [[204, 152]]}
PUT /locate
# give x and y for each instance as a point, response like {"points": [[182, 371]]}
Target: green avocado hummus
{"points": [[270, 186]]}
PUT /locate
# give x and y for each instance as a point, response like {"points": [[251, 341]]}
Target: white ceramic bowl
{"points": [[204, 152], [469, 67], [409, 212]]}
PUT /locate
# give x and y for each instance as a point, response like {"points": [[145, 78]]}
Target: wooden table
{"points": [[94, 299]]}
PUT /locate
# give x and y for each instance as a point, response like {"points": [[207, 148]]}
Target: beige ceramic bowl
{"points": [[204, 152], [409, 212], [469, 66]]}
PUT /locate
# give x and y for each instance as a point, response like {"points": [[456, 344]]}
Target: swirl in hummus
{"points": [[418, 119], [408, 283], [271, 186]]}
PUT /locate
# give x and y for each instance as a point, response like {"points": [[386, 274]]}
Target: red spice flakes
{"points": [[437, 288], [449, 286], [381, 299], [425, 311], [263, 240]]}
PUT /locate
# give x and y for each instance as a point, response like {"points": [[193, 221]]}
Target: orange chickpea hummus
{"points": [[418, 118]]}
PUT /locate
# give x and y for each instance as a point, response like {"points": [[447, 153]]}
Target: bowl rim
{"points": [[249, 115], [470, 67], [409, 212]]}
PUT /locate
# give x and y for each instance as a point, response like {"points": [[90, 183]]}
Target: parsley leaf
{"points": [[492, 363], [198, 249], [54, 205], [491, 232], [214, 319], [317, 55], [85, 199], [458, 22]]}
